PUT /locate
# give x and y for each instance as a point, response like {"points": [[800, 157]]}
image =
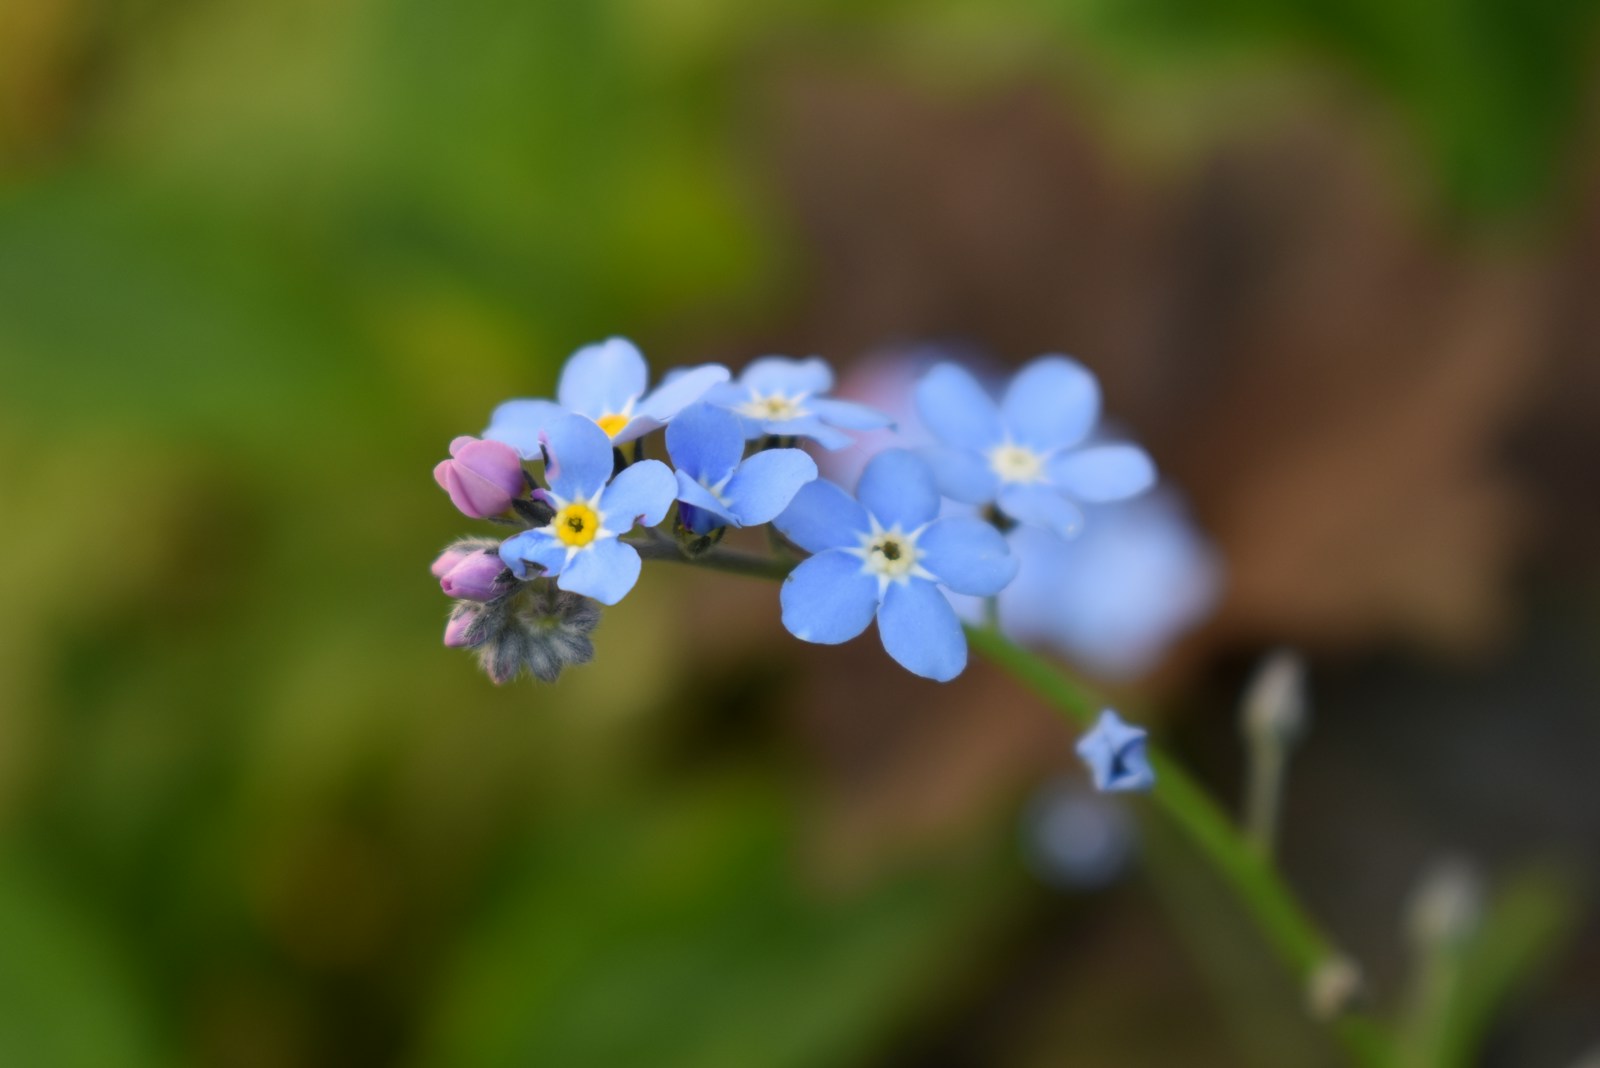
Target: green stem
{"points": [[1291, 932], [732, 561], [1288, 929]]}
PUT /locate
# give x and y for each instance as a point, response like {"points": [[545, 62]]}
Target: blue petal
{"points": [[808, 426], [785, 376], [1043, 506], [1053, 402], [764, 485], [601, 379], [967, 555], [641, 493], [920, 630], [898, 488], [519, 423], [533, 546], [828, 599], [822, 516], [960, 474], [723, 394], [957, 410], [1104, 472], [678, 392], [706, 441], [849, 414], [697, 497], [606, 571], [580, 457]]}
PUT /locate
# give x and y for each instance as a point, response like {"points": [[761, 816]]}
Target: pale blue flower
{"points": [[579, 547], [784, 398], [885, 556], [606, 383], [1115, 753], [1026, 454], [716, 486], [1114, 599]]}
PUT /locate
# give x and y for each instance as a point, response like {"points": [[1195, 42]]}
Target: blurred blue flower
{"points": [[716, 487], [1115, 598], [779, 397], [1026, 454], [1114, 751], [605, 382], [885, 557], [579, 545]]}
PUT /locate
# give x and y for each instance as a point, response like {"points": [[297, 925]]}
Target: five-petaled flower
{"points": [[1022, 455], [606, 384], [1115, 753], [579, 546], [715, 486], [885, 555], [783, 398], [482, 477]]}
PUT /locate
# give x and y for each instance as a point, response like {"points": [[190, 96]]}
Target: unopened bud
{"points": [[480, 576], [557, 636], [1333, 988], [1446, 906], [537, 627], [465, 628], [482, 477], [1274, 707], [697, 530]]}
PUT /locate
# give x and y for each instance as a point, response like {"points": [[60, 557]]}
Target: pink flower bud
{"points": [[448, 560], [482, 477], [474, 578], [455, 631]]}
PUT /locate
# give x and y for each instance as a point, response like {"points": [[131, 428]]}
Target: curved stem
{"points": [[1288, 928], [1295, 937]]}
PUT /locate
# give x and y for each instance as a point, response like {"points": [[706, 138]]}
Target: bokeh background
{"points": [[1336, 263]]}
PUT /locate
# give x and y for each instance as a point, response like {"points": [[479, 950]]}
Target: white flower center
{"points": [[890, 555], [1016, 463], [775, 407]]}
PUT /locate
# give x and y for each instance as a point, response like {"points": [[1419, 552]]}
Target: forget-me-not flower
{"points": [[1115, 753], [579, 545], [606, 383], [1115, 598], [1023, 453], [779, 397], [884, 556], [716, 487]]}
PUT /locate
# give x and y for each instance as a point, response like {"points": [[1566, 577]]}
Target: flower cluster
{"points": [[927, 532]]}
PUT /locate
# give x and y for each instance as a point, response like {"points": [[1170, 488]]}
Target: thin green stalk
{"points": [[732, 561], [1293, 935], [1291, 932]]}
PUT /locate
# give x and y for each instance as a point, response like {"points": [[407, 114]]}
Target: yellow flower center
{"points": [[612, 424], [576, 524], [1014, 463], [777, 408]]}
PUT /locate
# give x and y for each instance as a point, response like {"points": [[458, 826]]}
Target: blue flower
{"points": [[779, 397], [1023, 454], [1114, 599], [715, 487], [579, 545], [1114, 751], [605, 382], [886, 557]]}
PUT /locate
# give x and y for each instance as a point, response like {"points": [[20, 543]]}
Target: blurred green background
{"points": [[259, 262]]}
